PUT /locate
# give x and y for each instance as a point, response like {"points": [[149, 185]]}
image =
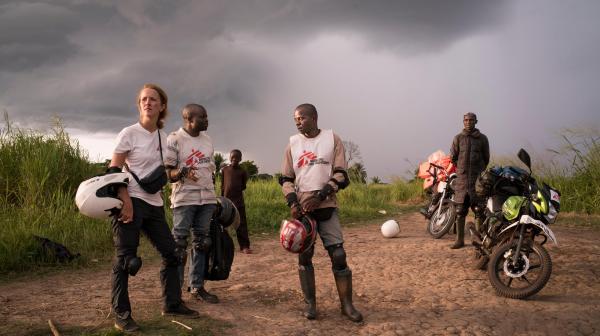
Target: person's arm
{"points": [[486, 150], [454, 150], [288, 187], [126, 213], [244, 179], [340, 178]]}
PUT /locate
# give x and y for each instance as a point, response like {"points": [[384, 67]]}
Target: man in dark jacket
{"points": [[470, 153]]}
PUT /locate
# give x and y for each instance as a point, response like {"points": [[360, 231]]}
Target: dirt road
{"points": [[409, 285]]}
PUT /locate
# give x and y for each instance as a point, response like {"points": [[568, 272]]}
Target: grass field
{"points": [[39, 174]]}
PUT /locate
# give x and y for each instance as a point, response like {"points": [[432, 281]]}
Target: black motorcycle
{"points": [[441, 209], [512, 237]]}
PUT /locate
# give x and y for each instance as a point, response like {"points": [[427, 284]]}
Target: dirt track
{"points": [[408, 285]]}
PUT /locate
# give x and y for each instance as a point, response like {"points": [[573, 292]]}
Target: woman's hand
{"points": [[126, 214]]}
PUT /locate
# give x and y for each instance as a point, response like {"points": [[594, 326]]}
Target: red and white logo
{"points": [[195, 158], [305, 159], [309, 159]]}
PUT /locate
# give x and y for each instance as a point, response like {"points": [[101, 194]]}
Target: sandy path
{"points": [[409, 285]]}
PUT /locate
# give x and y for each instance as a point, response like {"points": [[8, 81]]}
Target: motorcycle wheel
{"points": [[439, 225], [528, 277]]}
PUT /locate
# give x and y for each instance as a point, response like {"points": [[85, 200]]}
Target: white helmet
{"points": [[97, 197], [298, 235], [227, 214], [390, 229]]}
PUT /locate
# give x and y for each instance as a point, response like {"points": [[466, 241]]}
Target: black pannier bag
{"points": [[220, 257], [153, 182]]}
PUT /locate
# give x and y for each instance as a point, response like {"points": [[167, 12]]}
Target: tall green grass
{"points": [[573, 169], [39, 174], [578, 178], [266, 208]]}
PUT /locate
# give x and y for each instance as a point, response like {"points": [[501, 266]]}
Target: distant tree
{"points": [[357, 173], [375, 180], [250, 167], [219, 163], [352, 152]]}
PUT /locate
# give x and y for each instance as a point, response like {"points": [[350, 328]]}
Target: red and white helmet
{"points": [[297, 235], [97, 197]]}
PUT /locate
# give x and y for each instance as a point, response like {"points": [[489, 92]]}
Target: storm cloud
{"points": [[378, 71]]}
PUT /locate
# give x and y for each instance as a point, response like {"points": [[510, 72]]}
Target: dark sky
{"points": [[394, 77]]}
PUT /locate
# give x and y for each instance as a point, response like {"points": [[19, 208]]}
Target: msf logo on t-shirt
{"points": [[309, 159], [196, 158]]}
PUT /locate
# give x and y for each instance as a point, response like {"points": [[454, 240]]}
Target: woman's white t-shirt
{"points": [[143, 156]]}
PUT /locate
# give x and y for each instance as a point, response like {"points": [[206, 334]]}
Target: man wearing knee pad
{"points": [[313, 171], [470, 153], [190, 166]]}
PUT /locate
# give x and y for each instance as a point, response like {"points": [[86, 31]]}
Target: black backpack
{"points": [[220, 257], [56, 250]]}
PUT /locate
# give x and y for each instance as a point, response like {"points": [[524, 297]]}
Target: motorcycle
{"points": [[512, 237], [441, 210]]}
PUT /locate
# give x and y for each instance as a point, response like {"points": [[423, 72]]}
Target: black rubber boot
{"points": [[343, 282], [460, 233], [307, 283]]}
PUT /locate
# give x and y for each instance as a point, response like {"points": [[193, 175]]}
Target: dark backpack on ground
{"points": [[56, 250], [220, 257]]}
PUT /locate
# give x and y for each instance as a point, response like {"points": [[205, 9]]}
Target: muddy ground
{"points": [[409, 285]]}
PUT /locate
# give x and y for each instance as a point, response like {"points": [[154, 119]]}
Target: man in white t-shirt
{"points": [[190, 167]]}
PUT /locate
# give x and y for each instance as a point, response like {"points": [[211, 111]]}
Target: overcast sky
{"points": [[394, 77]]}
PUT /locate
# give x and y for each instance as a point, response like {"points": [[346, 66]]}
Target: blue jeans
{"points": [[194, 219]]}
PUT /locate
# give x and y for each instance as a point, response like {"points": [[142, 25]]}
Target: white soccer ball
{"points": [[390, 229]]}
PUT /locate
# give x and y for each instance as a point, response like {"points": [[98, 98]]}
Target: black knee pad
{"points": [[305, 258], [202, 243], [132, 264], [181, 248], [338, 257]]}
